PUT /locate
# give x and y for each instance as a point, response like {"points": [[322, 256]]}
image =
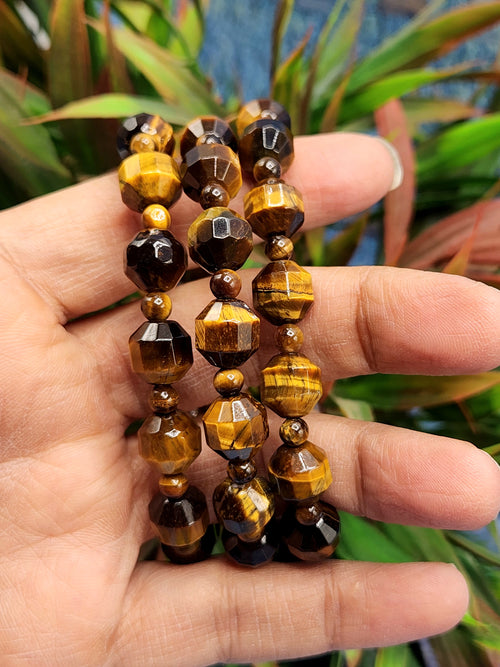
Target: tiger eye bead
{"points": [[290, 385], [155, 260], [161, 352], [144, 132], [311, 532], [170, 442], [266, 139], [173, 486], [210, 164], [255, 553], [265, 168], [279, 247], [261, 109], [242, 472], [294, 432], [289, 338], [207, 130], [229, 382], [156, 306], [213, 195], [156, 217], [274, 208], [163, 398], [282, 292], [149, 178], [225, 284], [300, 472], [244, 508]]}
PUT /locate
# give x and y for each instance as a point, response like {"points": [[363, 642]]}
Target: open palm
{"points": [[74, 492]]}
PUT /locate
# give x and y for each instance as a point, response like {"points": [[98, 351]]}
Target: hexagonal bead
{"points": [[149, 178], [255, 553], [274, 208], [180, 521], [227, 333], [300, 472], [207, 130], [161, 352], [144, 133], [291, 385], [210, 164], [311, 533], [155, 261], [170, 442], [261, 109], [244, 509], [220, 239], [283, 292], [266, 138], [236, 427]]}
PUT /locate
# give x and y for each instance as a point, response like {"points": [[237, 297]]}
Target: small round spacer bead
{"points": [[289, 338], [279, 247], [173, 486], [242, 472], [225, 284], [156, 216], [294, 432], [142, 143], [156, 306], [212, 195], [265, 168], [163, 398], [229, 382]]}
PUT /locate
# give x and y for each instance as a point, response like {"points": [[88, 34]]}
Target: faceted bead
{"points": [[210, 163], [289, 338], [191, 553], [279, 247], [252, 554], [155, 135], [220, 239], [244, 509], [266, 167], [300, 472], [214, 195], [227, 333], [283, 292], [207, 130], [236, 427], [229, 382], [311, 533], [155, 260], [173, 486], [266, 138], [225, 284], [242, 472], [163, 398], [261, 108], [274, 208], [161, 352], [294, 432], [156, 306], [170, 442], [291, 385], [156, 216], [149, 178]]}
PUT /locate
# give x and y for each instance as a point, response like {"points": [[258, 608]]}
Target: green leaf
{"points": [[362, 539], [354, 409], [403, 392], [341, 248], [474, 548], [282, 16], [455, 649], [16, 43], [396, 656], [288, 82], [436, 110]]}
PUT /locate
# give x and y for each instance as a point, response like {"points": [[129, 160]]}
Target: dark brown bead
{"points": [[300, 472], [149, 178], [252, 554], [161, 352], [289, 338], [279, 247], [265, 168], [156, 306], [220, 239], [156, 216], [225, 284], [311, 532], [294, 432], [229, 382], [210, 163], [163, 398], [170, 442], [207, 130], [179, 521], [155, 135], [191, 553], [258, 109], [291, 385], [214, 195], [227, 333], [173, 486], [244, 508], [266, 139], [283, 292], [155, 260], [242, 472], [274, 208]]}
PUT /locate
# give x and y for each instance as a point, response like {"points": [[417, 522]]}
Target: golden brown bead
{"points": [[294, 432], [145, 132], [289, 338], [170, 442], [173, 486], [279, 247], [179, 522], [156, 217], [156, 306], [274, 208], [300, 472], [244, 509], [163, 398], [149, 178], [161, 352], [236, 427], [282, 292], [225, 284], [265, 168], [228, 382], [291, 385], [266, 139], [214, 195], [242, 472], [210, 164], [227, 333], [311, 532], [207, 130], [261, 108]]}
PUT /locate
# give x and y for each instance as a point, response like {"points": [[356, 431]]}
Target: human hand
{"points": [[74, 491]]}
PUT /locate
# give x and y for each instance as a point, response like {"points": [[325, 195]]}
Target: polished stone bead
{"points": [[300, 472], [266, 139], [283, 292], [156, 306], [244, 508], [311, 532], [210, 163], [225, 284], [207, 130], [228, 382], [279, 247], [290, 385], [252, 554], [163, 398], [170, 442], [156, 216], [220, 239], [161, 352], [261, 109], [236, 427], [191, 553], [289, 338], [173, 486], [242, 472], [143, 133], [265, 168], [227, 333], [149, 178], [294, 432], [274, 208], [214, 195], [155, 260]]}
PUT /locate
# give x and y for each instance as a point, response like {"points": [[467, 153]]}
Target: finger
{"points": [[214, 612], [73, 254]]}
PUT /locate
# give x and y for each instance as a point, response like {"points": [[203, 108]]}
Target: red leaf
{"points": [[460, 261]]}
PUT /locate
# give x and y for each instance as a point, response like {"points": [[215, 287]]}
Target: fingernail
{"points": [[398, 165]]}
